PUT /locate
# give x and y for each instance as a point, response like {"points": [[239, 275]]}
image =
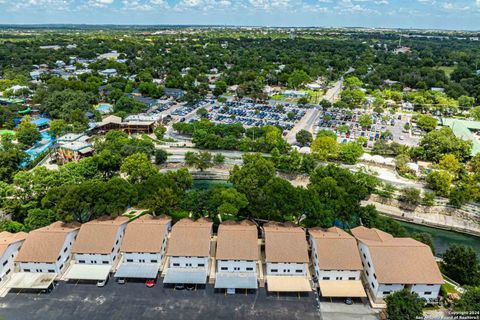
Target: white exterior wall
{"points": [[381, 290], [59, 265], [290, 269], [109, 258], [237, 266], [188, 262], [147, 257], [331, 274], [338, 275], [7, 260], [142, 257]]}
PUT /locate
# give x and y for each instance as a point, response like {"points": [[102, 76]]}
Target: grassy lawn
{"points": [[449, 288], [448, 70], [315, 96], [278, 97]]}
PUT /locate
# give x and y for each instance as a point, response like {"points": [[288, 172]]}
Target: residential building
{"points": [[72, 147], [393, 264], [10, 244], [237, 255], [336, 262], [188, 252], [97, 248], [286, 258], [47, 250], [108, 73], [174, 93], [143, 247]]}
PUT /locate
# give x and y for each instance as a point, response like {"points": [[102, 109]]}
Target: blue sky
{"points": [[443, 14]]}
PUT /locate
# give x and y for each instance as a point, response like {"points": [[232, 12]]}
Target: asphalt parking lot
{"points": [[135, 301], [336, 309]]}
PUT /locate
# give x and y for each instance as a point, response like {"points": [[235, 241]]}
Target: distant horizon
{"points": [[233, 26], [454, 15]]}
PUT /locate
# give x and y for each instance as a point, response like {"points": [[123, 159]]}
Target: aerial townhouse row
{"points": [[237, 257]]}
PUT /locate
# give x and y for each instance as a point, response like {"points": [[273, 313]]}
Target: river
{"points": [[442, 239]]}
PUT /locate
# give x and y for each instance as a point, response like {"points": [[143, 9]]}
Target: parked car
{"points": [[348, 301], [150, 283], [102, 283], [121, 281], [179, 286]]}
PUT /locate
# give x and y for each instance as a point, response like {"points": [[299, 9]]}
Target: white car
{"points": [[102, 283]]}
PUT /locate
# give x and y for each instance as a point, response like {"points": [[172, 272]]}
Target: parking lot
{"points": [[135, 301], [336, 309], [334, 118]]}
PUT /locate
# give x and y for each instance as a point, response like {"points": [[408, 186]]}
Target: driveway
{"points": [[135, 301], [336, 309]]}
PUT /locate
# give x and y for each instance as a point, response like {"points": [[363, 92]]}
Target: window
{"points": [[351, 278], [373, 285], [369, 264], [81, 261], [364, 256], [129, 260], [375, 276], [224, 268], [176, 264], [430, 285], [58, 258], [385, 293], [366, 271], [65, 250], [105, 262], [298, 271], [339, 278], [201, 264], [326, 278], [153, 261], [8, 271], [51, 270], [249, 269], [274, 270], [427, 293], [5, 262], [26, 270]]}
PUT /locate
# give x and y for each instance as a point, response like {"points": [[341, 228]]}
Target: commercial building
{"points": [[237, 256], [188, 251], [97, 248], [393, 264], [10, 244], [337, 263], [72, 147], [143, 247], [286, 258]]}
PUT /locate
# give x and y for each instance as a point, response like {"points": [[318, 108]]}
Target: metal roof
{"points": [[186, 275], [30, 280], [342, 288], [236, 280], [97, 272], [138, 270], [288, 283]]}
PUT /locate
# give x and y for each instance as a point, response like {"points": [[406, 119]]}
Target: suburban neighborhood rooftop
{"points": [[237, 241], [145, 234]]}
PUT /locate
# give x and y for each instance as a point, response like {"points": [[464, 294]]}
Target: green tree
{"points": [[350, 152], [11, 226], [202, 113], [325, 148], [365, 120], [138, 167], [38, 218], [461, 264], [450, 163], [304, 137], [298, 78], [27, 132], [160, 131], [160, 156], [410, 196], [427, 123], [470, 300], [437, 143], [425, 238], [219, 159], [428, 199], [59, 127], [440, 182], [404, 305]]}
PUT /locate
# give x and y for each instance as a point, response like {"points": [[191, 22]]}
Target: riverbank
{"points": [[441, 218]]}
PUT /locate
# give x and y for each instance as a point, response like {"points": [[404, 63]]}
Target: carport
{"points": [[88, 272], [288, 284], [138, 270], [342, 289], [31, 280], [187, 276], [236, 280]]}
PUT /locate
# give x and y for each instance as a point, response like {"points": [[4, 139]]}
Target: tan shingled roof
{"points": [[145, 234], [237, 241], [400, 260], [45, 244], [98, 236], [190, 238], [336, 249], [7, 239], [285, 243], [363, 233]]}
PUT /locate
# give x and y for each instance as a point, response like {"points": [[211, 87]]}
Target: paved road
{"points": [[310, 119], [135, 301]]}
